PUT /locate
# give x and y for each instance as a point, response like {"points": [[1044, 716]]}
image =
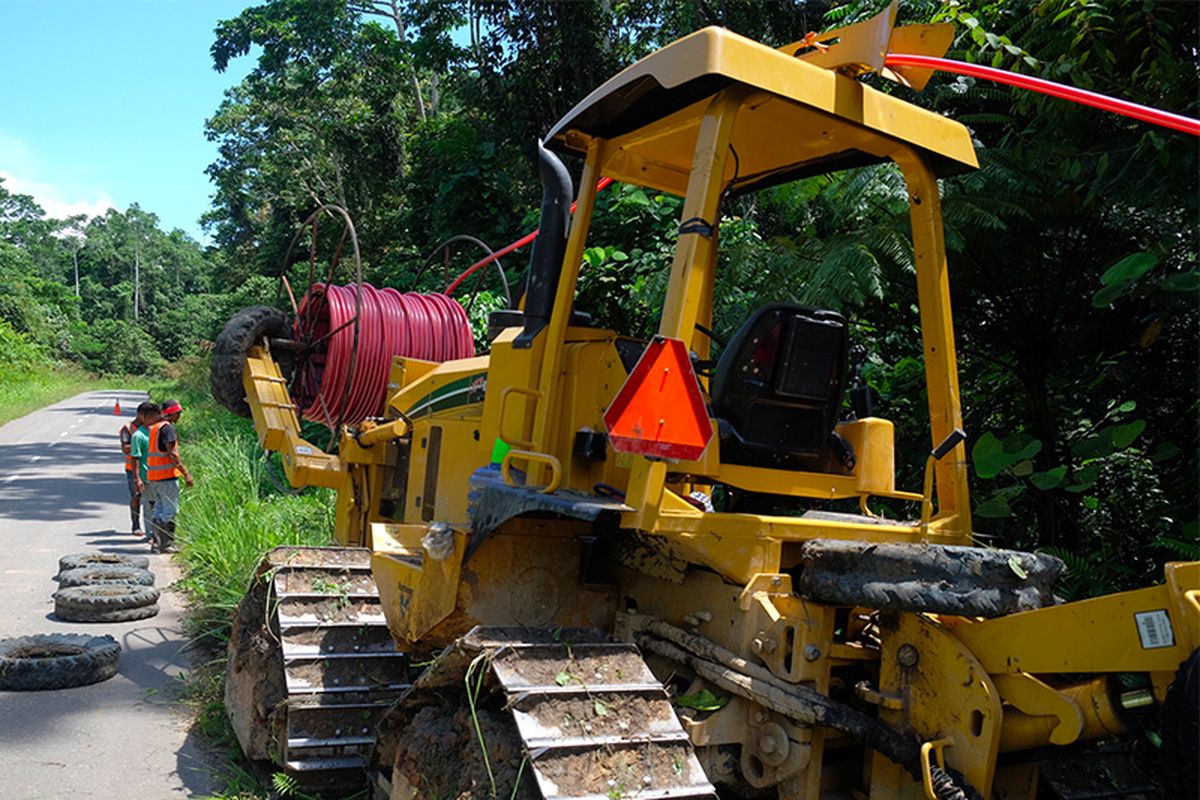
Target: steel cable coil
{"points": [[346, 379]]}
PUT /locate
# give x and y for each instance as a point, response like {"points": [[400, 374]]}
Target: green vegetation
{"points": [[23, 392], [1073, 249], [227, 522], [235, 513]]}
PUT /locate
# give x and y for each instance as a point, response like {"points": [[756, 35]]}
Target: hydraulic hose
{"points": [[1155, 116], [601, 185], [346, 372]]}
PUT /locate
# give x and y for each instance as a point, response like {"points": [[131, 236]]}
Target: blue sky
{"points": [[103, 102]]}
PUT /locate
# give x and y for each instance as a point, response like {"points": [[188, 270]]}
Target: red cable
{"points": [[601, 185], [1155, 116], [429, 327]]}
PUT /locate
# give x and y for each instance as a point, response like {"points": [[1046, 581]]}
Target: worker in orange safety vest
{"points": [[164, 467], [131, 464]]}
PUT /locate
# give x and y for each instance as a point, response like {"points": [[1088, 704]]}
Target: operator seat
{"points": [[777, 390]]}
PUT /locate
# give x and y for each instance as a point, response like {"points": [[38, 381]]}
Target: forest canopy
{"points": [[1073, 247]]}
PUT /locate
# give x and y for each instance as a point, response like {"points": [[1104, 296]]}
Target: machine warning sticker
{"points": [[303, 450], [1154, 629]]}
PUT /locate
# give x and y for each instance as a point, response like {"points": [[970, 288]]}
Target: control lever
{"points": [[956, 437]]}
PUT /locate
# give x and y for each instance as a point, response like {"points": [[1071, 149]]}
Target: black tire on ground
{"points": [[80, 560], [113, 615], [1180, 754], [113, 602], [105, 574], [56, 661], [243, 331], [946, 579]]}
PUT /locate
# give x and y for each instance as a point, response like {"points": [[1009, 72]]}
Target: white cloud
{"points": [[57, 202], [23, 174]]}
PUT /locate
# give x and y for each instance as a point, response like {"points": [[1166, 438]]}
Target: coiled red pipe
{"points": [[1155, 116], [346, 379]]}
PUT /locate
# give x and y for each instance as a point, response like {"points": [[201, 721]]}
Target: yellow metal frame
{"points": [[982, 687]]}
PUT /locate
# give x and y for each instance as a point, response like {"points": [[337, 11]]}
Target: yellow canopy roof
{"points": [[798, 119]]}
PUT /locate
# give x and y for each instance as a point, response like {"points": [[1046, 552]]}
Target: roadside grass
{"points": [[24, 391], [230, 519], [227, 522]]}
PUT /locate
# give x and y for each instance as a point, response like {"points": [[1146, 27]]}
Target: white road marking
{"points": [[34, 459]]}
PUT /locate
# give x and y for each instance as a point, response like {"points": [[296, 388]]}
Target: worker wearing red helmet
{"points": [[164, 467]]}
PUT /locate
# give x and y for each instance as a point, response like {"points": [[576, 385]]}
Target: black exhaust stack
{"points": [[545, 262]]}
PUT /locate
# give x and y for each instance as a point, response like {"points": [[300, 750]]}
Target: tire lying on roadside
{"points": [[104, 573], [80, 560], [56, 661], [112, 602], [945, 579], [230, 350]]}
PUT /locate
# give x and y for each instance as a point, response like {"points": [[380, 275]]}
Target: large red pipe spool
{"points": [[344, 377]]}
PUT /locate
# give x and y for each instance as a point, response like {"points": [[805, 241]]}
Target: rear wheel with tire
{"points": [[247, 328], [104, 574], [56, 661], [105, 603], [80, 560]]}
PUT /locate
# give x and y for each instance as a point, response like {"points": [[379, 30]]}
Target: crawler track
{"points": [[584, 719], [312, 665]]}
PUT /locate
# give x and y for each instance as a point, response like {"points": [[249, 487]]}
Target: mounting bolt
{"points": [[776, 581], [764, 644], [907, 655], [811, 652]]}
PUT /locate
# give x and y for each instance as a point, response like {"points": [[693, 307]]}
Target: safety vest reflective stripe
{"points": [[158, 463]]}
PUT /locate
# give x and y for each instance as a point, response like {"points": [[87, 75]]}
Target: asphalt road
{"points": [[62, 490]]}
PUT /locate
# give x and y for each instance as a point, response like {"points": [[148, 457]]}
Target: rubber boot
{"points": [[156, 536], [166, 541], [135, 516]]}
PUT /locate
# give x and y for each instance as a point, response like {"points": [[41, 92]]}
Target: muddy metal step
{"points": [[322, 609], [596, 723], [356, 673], [317, 579], [300, 743], [321, 639], [328, 764], [331, 719]]}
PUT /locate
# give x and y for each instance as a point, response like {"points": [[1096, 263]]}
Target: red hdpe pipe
{"points": [[1154, 116], [518, 244], [345, 384]]}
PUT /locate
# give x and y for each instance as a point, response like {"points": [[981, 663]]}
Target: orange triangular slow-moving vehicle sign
{"points": [[660, 411]]}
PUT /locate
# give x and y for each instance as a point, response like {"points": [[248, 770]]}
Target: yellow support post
{"points": [[692, 272], [937, 331]]}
